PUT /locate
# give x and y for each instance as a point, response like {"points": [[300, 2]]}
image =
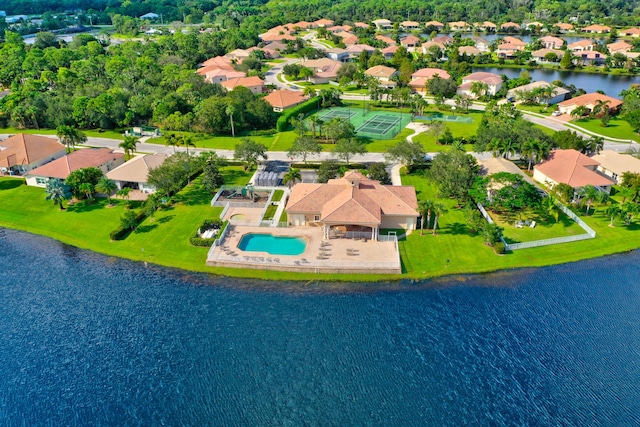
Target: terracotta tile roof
{"points": [[284, 98], [409, 24], [596, 28], [468, 50], [83, 158], [434, 24], [219, 62], [381, 71], [510, 47], [541, 53], [499, 164], [458, 24], [137, 169], [323, 67], [386, 39], [429, 73], [621, 46], [485, 24], [551, 39], [347, 38], [24, 149], [564, 26], [361, 24], [445, 40], [323, 22], [509, 25], [365, 202], [514, 40], [616, 162], [572, 167], [590, 99], [427, 45], [580, 43], [390, 50], [410, 40], [358, 48], [481, 76], [630, 32], [303, 25], [243, 81], [226, 74]]}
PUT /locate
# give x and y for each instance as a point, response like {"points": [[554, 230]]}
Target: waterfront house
{"points": [[481, 44], [282, 99], [324, 70], [590, 58], [426, 47], [630, 32], [573, 168], [493, 82], [589, 101], [410, 42], [509, 50], [435, 25], [382, 24], [468, 50], [459, 26], [614, 164], [514, 40], [564, 27], [254, 83], [510, 27], [486, 26], [134, 173], [22, 153], [581, 46], [383, 74], [596, 29], [443, 40], [409, 25], [551, 42], [353, 203], [545, 56], [535, 25], [619, 47], [104, 159], [559, 94]]}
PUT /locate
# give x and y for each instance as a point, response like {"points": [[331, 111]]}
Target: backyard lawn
{"points": [[617, 128], [546, 228], [280, 141]]}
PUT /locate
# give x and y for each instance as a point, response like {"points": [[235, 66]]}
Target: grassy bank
{"points": [[164, 240]]}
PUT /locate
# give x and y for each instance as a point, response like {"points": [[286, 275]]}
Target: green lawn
{"points": [[455, 251], [270, 213], [546, 228], [466, 130], [617, 128], [280, 141], [111, 134], [277, 195]]}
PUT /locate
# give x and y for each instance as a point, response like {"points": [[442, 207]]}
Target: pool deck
{"points": [[336, 255]]}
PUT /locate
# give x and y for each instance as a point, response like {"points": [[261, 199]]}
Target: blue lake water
{"points": [[92, 340]]}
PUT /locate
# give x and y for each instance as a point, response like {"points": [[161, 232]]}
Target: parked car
{"points": [[556, 113]]}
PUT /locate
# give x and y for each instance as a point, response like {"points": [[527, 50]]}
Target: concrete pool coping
{"points": [[337, 255]]}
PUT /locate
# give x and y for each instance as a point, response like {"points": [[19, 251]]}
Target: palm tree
{"points": [[579, 112], [457, 145], [57, 191], [438, 209], [600, 107], [527, 150], [479, 89], [495, 146], [106, 186], [70, 136], [551, 208], [187, 142], [508, 147], [313, 122], [291, 177], [124, 193], [172, 140], [87, 188], [424, 208], [129, 145], [595, 144], [613, 211], [230, 111], [588, 195], [309, 91]]}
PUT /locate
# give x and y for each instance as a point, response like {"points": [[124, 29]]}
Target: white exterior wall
{"points": [[405, 222], [37, 181], [542, 178]]}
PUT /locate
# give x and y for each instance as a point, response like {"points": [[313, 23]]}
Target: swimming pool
{"points": [[275, 245]]}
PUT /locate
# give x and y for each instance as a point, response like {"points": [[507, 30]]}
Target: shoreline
{"points": [[240, 273]]}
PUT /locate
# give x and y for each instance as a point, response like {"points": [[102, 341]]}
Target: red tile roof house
{"points": [[485, 26], [104, 159], [323, 23], [591, 58], [551, 42], [469, 51], [219, 75], [596, 29], [621, 46], [510, 25], [388, 40], [254, 83], [361, 24], [280, 100], [509, 50], [134, 173], [631, 32], [564, 28], [384, 75], [420, 78], [382, 24], [540, 56], [354, 203], [435, 24], [410, 42], [348, 39], [324, 70], [581, 46], [589, 101], [409, 25], [459, 26], [570, 167], [614, 164], [493, 82], [389, 52], [22, 153]]}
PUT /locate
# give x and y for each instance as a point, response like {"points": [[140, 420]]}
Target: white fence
{"points": [[219, 240], [546, 242]]}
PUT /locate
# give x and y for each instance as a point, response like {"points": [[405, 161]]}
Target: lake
{"points": [[93, 340], [612, 85]]}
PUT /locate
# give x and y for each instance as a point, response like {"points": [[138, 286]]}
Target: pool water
{"points": [[275, 245]]}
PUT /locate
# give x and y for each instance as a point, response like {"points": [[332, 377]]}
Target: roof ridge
{"points": [[307, 195]]}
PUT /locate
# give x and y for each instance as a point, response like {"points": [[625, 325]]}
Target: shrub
{"points": [[207, 224], [121, 233], [499, 248], [305, 107]]}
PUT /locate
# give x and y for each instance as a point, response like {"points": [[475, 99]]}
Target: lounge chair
{"points": [[533, 224]]}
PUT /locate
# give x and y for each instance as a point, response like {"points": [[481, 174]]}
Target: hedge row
{"points": [[122, 233], [304, 108], [317, 165], [207, 224]]}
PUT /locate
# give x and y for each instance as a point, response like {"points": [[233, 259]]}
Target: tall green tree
{"points": [[346, 148], [129, 145], [106, 186], [57, 191], [304, 146], [292, 176], [70, 136], [425, 207], [249, 152], [438, 210]]}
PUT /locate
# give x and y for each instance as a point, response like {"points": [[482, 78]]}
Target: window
{"points": [[41, 181], [316, 217]]}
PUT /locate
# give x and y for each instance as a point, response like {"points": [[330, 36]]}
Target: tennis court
{"points": [[445, 118], [369, 124]]}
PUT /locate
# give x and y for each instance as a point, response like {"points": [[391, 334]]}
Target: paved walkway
{"points": [[395, 169]]}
